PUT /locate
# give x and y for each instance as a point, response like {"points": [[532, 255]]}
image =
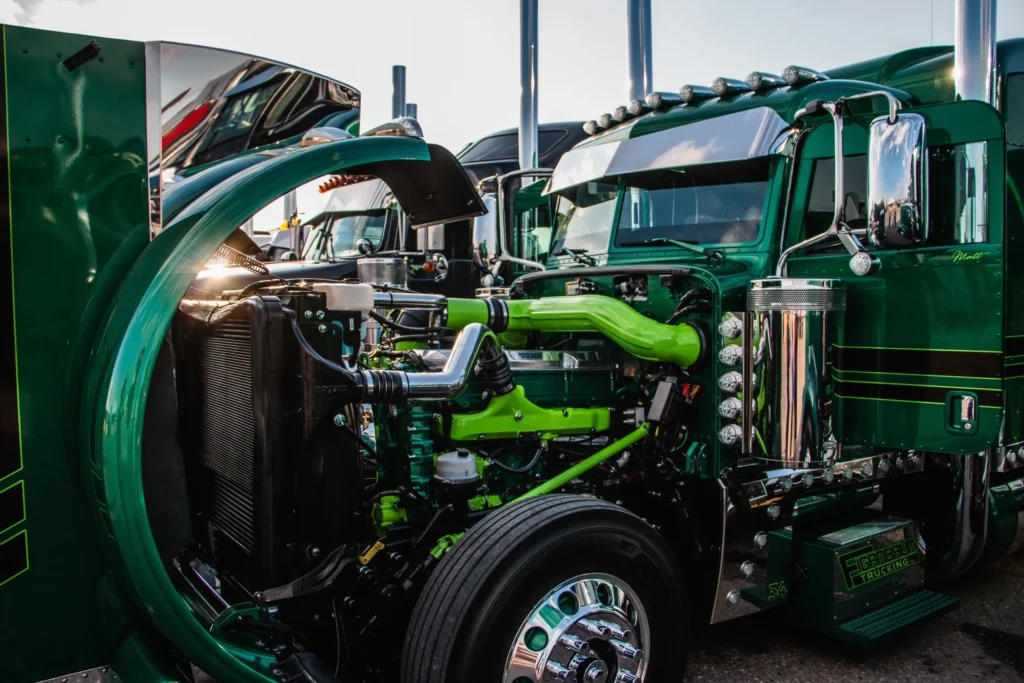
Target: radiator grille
{"points": [[228, 429]]}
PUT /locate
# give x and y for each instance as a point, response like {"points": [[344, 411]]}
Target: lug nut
{"points": [[616, 630], [760, 539], [808, 480], [625, 649], [747, 569], [774, 511], [732, 597], [557, 671], [595, 628], [867, 469], [828, 476], [786, 484], [884, 466], [575, 644]]}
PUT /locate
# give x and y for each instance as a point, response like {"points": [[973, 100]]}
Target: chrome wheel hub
{"points": [[590, 629]]}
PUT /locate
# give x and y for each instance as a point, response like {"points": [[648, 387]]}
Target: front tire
{"points": [[558, 587]]}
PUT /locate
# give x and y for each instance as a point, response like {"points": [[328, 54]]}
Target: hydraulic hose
{"points": [[609, 451]]}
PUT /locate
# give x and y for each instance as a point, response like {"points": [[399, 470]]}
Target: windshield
{"points": [[720, 205], [339, 235], [584, 218]]}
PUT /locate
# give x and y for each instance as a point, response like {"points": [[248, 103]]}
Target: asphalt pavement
{"points": [[983, 640]]}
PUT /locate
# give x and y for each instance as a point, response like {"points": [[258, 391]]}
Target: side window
{"points": [[821, 203], [946, 197]]}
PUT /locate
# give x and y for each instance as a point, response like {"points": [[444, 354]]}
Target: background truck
{"points": [[768, 366]]}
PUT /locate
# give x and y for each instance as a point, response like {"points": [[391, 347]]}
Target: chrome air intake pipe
{"points": [[475, 345], [798, 322], [391, 299]]}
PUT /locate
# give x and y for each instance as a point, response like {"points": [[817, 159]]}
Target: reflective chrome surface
{"points": [[580, 631], [528, 41], [741, 135], [974, 78], [205, 104], [486, 248], [897, 168], [383, 272], [318, 136], [474, 339], [970, 525], [799, 321], [403, 126]]}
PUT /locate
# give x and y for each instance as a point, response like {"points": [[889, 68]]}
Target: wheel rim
{"points": [[591, 629]]}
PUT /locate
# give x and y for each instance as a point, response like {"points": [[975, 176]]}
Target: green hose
{"points": [[593, 461]]}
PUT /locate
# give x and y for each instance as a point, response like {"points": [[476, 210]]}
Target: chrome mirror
{"points": [[486, 250], [897, 168]]}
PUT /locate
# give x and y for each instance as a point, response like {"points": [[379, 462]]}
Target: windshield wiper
{"points": [[578, 256], [711, 254]]}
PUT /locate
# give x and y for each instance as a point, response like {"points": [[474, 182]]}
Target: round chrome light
{"points": [[808, 480], [760, 539], [867, 469], [620, 113], [730, 382], [847, 472], [653, 100], [730, 355], [754, 80], [590, 127], [730, 434], [862, 263], [747, 569], [730, 328], [1011, 456], [786, 484], [791, 74], [686, 93], [774, 511], [605, 120], [828, 476], [732, 597], [719, 86], [730, 407], [884, 466]]}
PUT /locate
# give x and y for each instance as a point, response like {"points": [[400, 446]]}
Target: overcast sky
{"points": [[462, 55]]}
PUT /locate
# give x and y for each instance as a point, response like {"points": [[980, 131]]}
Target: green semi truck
{"points": [[769, 363]]}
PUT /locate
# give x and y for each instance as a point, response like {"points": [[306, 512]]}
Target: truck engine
{"points": [[388, 422]]}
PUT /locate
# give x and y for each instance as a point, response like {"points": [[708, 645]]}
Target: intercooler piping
{"points": [[475, 344]]}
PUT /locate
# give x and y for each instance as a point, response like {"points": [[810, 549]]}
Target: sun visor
{"points": [[436, 192], [743, 135]]}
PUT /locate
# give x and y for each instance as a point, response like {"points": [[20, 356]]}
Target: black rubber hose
{"points": [[697, 307], [406, 329]]}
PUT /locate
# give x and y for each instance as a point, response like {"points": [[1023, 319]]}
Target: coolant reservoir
{"points": [[346, 297], [456, 467], [800, 321]]}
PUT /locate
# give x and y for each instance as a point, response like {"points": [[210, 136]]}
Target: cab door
{"points": [[920, 365]]}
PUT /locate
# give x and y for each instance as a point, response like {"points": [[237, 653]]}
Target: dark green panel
{"points": [[13, 561], [12, 506], [77, 166]]}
